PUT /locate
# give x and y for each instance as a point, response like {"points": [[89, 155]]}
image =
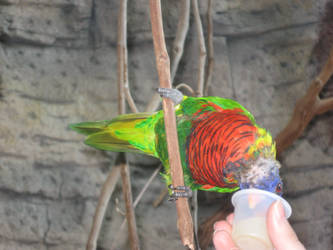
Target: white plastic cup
{"points": [[249, 230]]}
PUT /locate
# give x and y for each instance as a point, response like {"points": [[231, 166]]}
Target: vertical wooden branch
{"points": [[122, 80], [210, 46], [130, 216], [177, 48], [184, 222], [202, 48]]}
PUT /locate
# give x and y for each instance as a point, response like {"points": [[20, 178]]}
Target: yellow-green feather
{"points": [[125, 133]]}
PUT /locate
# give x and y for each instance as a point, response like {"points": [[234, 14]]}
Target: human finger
{"points": [[222, 240], [230, 218], [279, 228]]}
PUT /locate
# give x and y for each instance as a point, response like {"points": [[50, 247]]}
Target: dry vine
{"points": [[122, 80], [202, 49], [210, 48], [185, 225]]}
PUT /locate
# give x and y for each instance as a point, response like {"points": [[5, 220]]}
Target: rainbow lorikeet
{"points": [[222, 148]]}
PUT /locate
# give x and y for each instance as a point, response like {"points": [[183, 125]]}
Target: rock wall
{"points": [[58, 66]]}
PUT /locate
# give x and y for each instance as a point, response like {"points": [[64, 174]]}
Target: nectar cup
{"points": [[249, 226]]}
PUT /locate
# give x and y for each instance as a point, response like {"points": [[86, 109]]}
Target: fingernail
{"points": [[221, 231], [278, 211]]}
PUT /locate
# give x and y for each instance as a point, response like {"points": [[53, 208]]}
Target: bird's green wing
{"points": [[192, 105]]}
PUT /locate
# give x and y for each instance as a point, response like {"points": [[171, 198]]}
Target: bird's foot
{"points": [[174, 94], [179, 192]]}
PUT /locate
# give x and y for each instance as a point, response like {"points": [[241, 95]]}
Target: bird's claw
{"points": [[174, 94], [179, 192]]}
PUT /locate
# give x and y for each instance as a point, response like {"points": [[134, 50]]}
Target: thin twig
{"points": [[130, 100], [160, 198], [187, 87], [185, 225], [202, 48], [195, 209], [122, 56], [104, 198], [210, 47], [145, 187], [306, 108], [178, 43], [177, 49], [325, 105], [154, 103]]}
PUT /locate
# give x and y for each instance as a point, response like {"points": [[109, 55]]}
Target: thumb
{"points": [[280, 232]]}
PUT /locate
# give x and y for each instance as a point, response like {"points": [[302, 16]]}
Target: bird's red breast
{"points": [[218, 140]]}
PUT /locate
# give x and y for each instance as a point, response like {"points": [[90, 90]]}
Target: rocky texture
{"points": [[58, 66]]}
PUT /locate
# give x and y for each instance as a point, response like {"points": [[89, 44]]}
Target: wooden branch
{"points": [[177, 49], [185, 225], [202, 49], [130, 216], [103, 201], [178, 43], [164, 192], [210, 48], [306, 108], [122, 80], [135, 203]]}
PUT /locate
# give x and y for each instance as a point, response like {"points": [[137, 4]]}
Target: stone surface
{"points": [[58, 66], [273, 64], [241, 18]]}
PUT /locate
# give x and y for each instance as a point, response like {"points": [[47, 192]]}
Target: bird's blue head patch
{"points": [[263, 174]]}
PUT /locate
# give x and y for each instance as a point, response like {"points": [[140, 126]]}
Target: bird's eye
{"points": [[278, 188]]}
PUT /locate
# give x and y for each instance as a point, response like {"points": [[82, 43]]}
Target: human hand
{"points": [[278, 228]]}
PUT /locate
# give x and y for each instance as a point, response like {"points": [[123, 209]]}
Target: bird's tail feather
{"points": [[125, 133]]}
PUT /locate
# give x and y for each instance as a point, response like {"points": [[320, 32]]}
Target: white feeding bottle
{"points": [[249, 226]]}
